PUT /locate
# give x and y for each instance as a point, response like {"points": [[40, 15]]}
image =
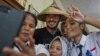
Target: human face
{"points": [[52, 21], [28, 28], [55, 48], [74, 29]]}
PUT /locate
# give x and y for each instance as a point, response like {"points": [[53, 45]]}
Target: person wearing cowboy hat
{"points": [[52, 16]]}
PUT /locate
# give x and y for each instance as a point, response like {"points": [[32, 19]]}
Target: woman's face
{"points": [[28, 28], [73, 28], [55, 48]]}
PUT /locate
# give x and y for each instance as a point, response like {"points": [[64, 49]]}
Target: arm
{"points": [[79, 17], [92, 21], [26, 50]]}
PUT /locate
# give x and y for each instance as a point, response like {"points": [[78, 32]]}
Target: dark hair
{"points": [[62, 26], [85, 30], [34, 16], [25, 14]]}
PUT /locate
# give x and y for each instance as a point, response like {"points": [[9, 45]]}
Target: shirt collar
{"points": [[82, 41]]}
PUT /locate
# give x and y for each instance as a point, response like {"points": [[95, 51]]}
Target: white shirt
{"points": [[90, 43], [38, 49]]}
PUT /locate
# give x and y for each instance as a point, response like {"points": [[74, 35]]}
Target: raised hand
{"points": [[75, 14], [26, 50]]}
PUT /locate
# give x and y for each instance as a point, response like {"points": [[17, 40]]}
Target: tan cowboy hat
{"points": [[52, 10]]}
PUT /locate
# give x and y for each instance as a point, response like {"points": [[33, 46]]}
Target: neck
{"points": [[52, 30], [77, 38]]}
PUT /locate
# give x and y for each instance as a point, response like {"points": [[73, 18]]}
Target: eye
{"points": [[32, 26], [58, 48], [65, 25], [72, 23]]}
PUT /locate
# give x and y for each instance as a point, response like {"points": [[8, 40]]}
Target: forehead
{"points": [[29, 18], [69, 20], [56, 43]]}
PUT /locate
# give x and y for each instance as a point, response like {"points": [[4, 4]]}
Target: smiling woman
{"points": [[24, 44], [58, 47]]}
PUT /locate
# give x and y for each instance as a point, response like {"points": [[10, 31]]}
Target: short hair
{"points": [[62, 26]]}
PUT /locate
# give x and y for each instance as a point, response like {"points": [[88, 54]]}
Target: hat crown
{"points": [[51, 10]]}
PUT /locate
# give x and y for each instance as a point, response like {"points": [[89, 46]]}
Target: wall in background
{"points": [[88, 7]]}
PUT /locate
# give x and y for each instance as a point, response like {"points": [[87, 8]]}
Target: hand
{"points": [[26, 50], [75, 14]]}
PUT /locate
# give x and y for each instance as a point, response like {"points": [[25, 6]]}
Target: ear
{"points": [[82, 26]]}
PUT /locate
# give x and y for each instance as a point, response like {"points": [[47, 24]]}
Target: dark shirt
{"points": [[43, 36]]}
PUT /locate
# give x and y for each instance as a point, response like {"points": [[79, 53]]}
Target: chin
{"points": [[70, 36], [25, 38]]}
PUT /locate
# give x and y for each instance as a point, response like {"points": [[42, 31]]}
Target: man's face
{"points": [[52, 21]]}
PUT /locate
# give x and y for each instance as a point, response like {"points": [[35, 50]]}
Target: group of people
{"points": [[50, 41]]}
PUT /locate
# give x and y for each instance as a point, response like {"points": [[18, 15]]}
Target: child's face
{"points": [[56, 48], [28, 28]]}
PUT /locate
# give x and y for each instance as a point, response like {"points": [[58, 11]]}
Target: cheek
{"points": [[57, 21], [50, 50], [32, 30], [76, 30], [59, 53], [21, 30]]}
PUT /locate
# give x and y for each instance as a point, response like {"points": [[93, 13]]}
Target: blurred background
{"points": [[88, 7]]}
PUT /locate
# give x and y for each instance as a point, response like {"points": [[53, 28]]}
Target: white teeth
{"points": [[51, 22]]}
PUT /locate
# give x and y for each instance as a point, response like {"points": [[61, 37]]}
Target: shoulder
{"points": [[94, 34], [40, 46], [40, 29]]}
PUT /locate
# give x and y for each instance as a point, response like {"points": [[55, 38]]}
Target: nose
{"points": [[54, 50], [51, 18], [26, 28], [68, 26]]}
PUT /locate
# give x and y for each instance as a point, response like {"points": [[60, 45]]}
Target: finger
{"points": [[11, 52], [32, 42], [7, 50], [74, 7], [68, 12], [71, 11], [74, 13], [21, 44]]}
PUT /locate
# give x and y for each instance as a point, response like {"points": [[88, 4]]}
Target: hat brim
{"points": [[42, 16]]}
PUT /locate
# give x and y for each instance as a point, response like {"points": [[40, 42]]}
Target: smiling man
{"points": [[52, 16]]}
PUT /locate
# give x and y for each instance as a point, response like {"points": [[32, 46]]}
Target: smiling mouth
{"points": [[53, 54], [52, 22], [26, 34]]}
